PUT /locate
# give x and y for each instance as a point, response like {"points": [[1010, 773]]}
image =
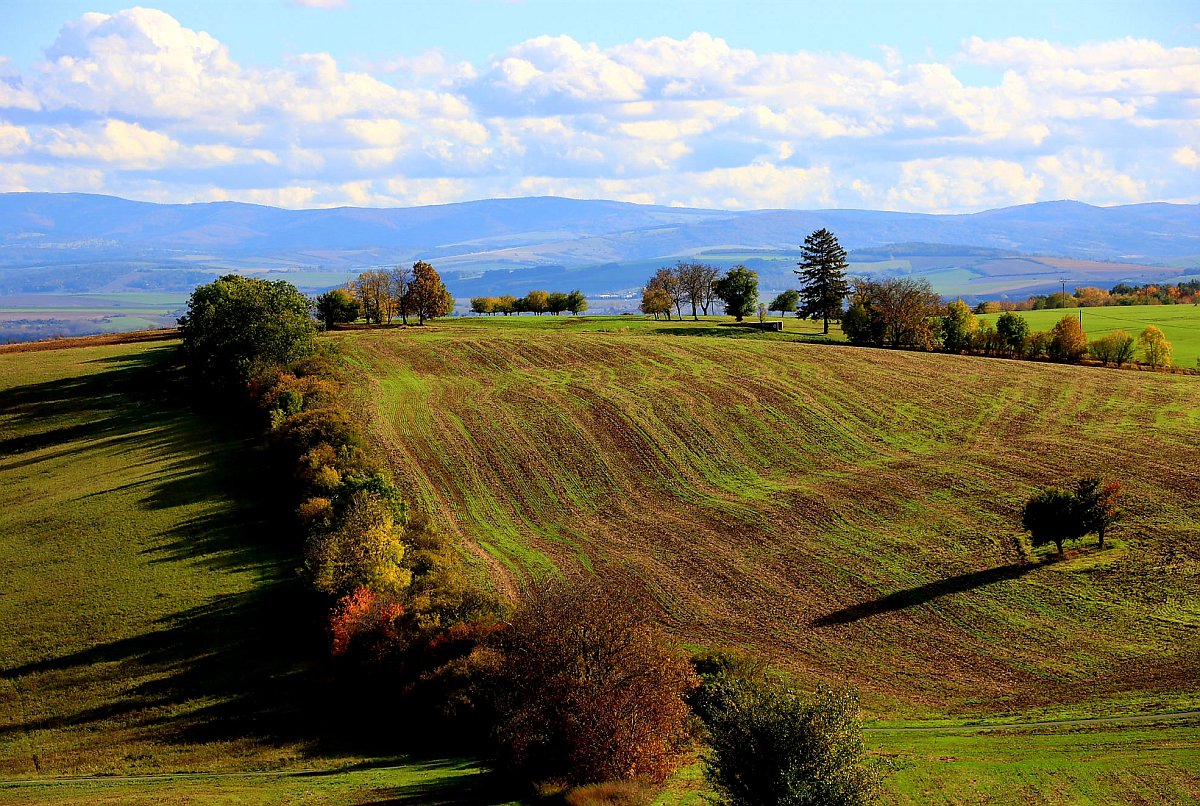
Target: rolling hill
{"points": [[848, 513], [844, 513]]}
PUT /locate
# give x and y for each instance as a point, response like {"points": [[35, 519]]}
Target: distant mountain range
{"points": [[79, 242]]}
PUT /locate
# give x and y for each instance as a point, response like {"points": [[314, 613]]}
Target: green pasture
{"points": [[1179, 323], [1060, 766], [154, 622]]}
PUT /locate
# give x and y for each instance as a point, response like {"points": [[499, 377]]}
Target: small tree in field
{"points": [[958, 327], [1068, 342], [785, 303], [1013, 330], [576, 302], [1155, 347], [771, 747], [1096, 505], [656, 301], [738, 289], [1051, 517], [587, 691], [1116, 348]]}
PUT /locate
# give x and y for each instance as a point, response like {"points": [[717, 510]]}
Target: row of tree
{"points": [[699, 285], [536, 302], [1186, 292], [381, 296]]}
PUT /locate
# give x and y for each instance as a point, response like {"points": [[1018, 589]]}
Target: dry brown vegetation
{"points": [[850, 514]]}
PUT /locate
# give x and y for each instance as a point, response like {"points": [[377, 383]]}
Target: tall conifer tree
{"points": [[823, 273]]}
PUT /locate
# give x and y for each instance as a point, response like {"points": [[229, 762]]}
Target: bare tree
{"points": [[695, 281]]}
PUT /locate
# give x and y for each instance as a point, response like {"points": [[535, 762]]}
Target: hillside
{"points": [[153, 621], [848, 513]]}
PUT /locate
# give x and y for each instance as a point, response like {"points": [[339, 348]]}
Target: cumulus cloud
{"points": [[136, 103]]}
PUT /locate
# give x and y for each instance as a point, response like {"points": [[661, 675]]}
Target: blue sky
{"points": [[918, 106]]}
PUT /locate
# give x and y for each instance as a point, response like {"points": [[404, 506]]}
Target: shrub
{"points": [[769, 745], [610, 793], [1116, 348], [363, 549], [586, 690]]}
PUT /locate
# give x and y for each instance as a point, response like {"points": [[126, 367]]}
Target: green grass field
{"points": [[154, 624], [1081, 765], [1179, 323]]}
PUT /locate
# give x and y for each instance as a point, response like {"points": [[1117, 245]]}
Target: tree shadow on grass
{"points": [[450, 783], [239, 666], [922, 594]]}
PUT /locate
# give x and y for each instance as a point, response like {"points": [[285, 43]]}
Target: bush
{"points": [[363, 549], [1116, 348], [586, 690], [1155, 347], [770, 746]]}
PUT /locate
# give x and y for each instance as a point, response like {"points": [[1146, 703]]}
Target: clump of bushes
{"points": [[771, 746], [586, 689]]}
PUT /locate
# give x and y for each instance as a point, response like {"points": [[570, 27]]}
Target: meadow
{"points": [[1179, 323], [154, 623]]}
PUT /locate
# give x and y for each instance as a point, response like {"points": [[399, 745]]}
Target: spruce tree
{"points": [[823, 273]]}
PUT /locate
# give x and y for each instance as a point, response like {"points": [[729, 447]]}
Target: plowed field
{"points": [[846, 513]]}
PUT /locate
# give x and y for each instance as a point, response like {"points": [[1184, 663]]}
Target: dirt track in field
{"points": [[850, 514]]}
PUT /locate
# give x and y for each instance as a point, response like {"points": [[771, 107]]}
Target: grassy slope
{"points": [[152, 621], [1179, 323], [849, 513], [846, 513]]}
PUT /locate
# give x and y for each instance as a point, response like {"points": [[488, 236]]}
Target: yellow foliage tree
{"points": [[1155, 347], [363, 549]]}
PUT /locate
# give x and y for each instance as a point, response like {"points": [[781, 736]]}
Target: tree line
{"points": [[535, 302], [1186, 292], [898, 312], [908, 313], [381, 296]]}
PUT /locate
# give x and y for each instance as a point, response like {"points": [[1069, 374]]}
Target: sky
{"points": [[918, 106]]}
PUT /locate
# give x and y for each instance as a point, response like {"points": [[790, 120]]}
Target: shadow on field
{"points": [[466, 788], [239, 667], [913, 597]]}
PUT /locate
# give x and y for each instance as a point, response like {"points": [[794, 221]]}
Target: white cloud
{"points": [[1186, 156], [152, 105], [322, 4], [13, 139]]}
